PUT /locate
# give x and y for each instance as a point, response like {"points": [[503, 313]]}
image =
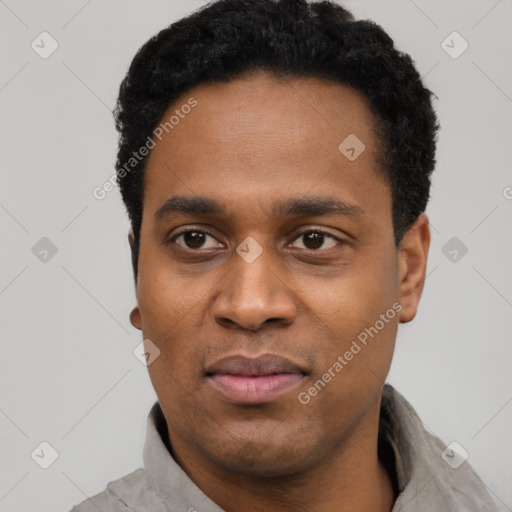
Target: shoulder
{"points": [[120, 495], [435, 476]]}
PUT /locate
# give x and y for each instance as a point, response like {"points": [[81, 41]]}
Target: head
{"points": [[278, 207]]}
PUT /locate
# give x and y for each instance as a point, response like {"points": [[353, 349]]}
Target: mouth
{"points": [[254, 380]]}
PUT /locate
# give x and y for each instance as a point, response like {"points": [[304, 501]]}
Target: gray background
{"points": [[68, 373]]}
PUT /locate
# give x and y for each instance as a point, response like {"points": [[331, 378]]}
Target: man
{"points": [[275, 161]]}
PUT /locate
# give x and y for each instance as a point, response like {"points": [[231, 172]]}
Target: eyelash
{"points": [[206, 232]]}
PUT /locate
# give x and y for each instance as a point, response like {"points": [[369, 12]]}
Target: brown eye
{"points": [[194, 239], [313, 240]]}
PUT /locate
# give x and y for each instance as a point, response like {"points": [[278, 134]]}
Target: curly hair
{"points": [[289, 38]]}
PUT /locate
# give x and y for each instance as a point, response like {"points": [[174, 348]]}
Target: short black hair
{"points": [[289, 38]]}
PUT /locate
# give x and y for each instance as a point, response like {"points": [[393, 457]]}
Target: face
{"points": [[263, 239]]}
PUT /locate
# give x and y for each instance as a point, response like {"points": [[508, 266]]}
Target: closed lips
{"points": [[254, 381], [266, 364]]}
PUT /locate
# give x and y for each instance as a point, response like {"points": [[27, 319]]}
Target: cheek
{"points": [[363, 290], [167, 299], [361, 309], [163, 308]]}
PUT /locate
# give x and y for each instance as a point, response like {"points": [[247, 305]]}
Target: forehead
{"points": [[262, 137]]}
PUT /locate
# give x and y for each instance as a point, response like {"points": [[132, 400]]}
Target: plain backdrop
{"points": [[68, 373]]}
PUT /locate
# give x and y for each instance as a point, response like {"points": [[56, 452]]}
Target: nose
{"points": [[253, 295]]}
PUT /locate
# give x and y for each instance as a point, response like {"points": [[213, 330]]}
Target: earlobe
{"points": [[135, 318], [412, 264]]}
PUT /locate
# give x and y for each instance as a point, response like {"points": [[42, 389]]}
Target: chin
{"points": [[262, 457], [258, 466]]}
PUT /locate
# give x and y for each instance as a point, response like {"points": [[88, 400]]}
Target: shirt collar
{"points": [[165, 475]]}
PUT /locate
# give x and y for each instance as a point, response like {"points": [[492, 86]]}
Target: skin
{"points": [[249, 144]]}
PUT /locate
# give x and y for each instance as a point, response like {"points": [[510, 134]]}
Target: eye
{"points": [[193, 239], [316, 239]]}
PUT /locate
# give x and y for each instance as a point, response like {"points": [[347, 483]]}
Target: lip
{"points": [[254, 380]]}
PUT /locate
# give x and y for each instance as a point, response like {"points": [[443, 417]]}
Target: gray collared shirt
{"points": [[426, 481]]}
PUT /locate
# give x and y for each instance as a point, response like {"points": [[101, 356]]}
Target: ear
{"points": [[131, 241], [413, 254], [135, 318]]}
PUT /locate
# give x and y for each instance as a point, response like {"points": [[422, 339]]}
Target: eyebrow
{"points": [[311, 206]]}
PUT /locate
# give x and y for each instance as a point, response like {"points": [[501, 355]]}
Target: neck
{"points": [[351, 479], [320, 491]]}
